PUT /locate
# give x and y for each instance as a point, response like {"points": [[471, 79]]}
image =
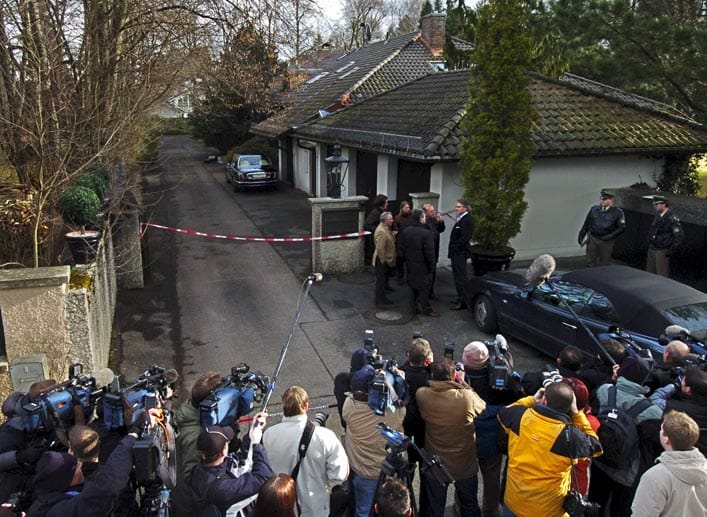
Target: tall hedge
{"points": [[497, 151]]}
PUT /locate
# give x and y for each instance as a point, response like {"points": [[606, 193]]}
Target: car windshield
{"points": [[253, 160], [692, 317]]}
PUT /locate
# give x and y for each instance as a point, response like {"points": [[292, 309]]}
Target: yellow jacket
{"points": [[539, 456]]}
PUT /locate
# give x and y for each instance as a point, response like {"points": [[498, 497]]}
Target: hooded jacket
{"points": [[674, 487], [449, 409]]}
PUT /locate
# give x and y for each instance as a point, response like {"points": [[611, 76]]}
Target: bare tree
{"points": [[76, 78]]}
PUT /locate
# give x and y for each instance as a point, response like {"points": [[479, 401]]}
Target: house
{"points": [[407, 138]]}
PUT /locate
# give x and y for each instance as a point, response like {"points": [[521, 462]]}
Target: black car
{"points": [[639, 303], [247, 171]]}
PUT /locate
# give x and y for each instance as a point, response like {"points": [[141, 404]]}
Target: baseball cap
{"points": [[362, 378], [212, 439]]}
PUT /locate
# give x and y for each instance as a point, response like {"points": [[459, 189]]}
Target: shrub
{"points": [[79, 205], [92, 181]]}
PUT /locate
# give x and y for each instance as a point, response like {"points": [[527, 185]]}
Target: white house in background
{"points": [[396, 114]]}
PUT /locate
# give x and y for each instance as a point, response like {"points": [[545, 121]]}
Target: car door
{"points": [[544, 321], [598, 314]]}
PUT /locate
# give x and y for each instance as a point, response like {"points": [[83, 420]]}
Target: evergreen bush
{"points": [[79, 205]]}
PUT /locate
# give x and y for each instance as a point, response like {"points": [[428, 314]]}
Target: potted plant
{"points": [[79, 207], [497, 151]]}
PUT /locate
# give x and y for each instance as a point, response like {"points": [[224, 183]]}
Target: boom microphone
{"points": [[315, 277], [540, 270], [103, 376], [171, 376]]}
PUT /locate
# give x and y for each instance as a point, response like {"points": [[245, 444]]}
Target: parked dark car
{"points": [[637, 302], [247, 171]]}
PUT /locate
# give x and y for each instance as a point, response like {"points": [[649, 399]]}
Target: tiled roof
{"points": [[421, 120], [353, 77]]}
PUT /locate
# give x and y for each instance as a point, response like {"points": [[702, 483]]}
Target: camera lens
{"points": [[320, 419]]}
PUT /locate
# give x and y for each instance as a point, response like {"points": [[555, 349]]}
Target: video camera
{"points": [[379, 395], [500, 367], [630, 345], [148, 391], [55, 407], [235, 397]]}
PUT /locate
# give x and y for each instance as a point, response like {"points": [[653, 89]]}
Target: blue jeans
{"points": [[364, 491], [466, 490]]}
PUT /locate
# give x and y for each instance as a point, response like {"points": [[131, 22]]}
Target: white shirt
{"points": [[325, 461]]}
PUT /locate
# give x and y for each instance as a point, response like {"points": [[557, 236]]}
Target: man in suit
{"points": [[417, 250], [460, 250], [435, 224]]}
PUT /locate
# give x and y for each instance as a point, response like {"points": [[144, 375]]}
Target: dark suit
{"points": [[460, 251], [418, 250], [436, 226]]}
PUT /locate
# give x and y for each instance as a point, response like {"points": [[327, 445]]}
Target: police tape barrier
{"points": [[253, 239]]}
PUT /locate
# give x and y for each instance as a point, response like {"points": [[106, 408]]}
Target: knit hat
{"points": [[212, 439], [634, 369], [359, 359], [362, 378], [581, 393], [55, 470], [475, 355], [12, 404]]}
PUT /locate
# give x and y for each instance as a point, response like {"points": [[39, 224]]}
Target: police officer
{"points": [[603, 224], [665, 237]]}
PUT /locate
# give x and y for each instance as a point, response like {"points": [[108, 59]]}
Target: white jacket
{"points": [[325, 461], [675, 487]]}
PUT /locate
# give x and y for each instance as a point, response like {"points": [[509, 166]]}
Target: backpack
{"points": [[618, 432]]}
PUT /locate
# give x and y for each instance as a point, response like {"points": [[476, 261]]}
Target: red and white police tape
{"points": [[254, 239]]}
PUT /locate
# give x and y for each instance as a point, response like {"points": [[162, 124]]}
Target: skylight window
{"points": [[354, 69], [317, 77], [345, 67]]}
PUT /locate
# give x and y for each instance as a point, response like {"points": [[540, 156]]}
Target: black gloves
{"points": [[29, 456], [140, 423]]}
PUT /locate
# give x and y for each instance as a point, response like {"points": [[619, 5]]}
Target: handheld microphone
{"points": [[540, 270], [315, 277]]}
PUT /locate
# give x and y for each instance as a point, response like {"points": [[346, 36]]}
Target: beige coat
{"points": [[364, 444], [385, 245], [448, 409]]}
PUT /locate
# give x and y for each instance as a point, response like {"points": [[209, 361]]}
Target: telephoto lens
{"points": [[320, 419]]}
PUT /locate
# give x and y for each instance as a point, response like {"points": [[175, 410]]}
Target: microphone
{"points": [[103, 377], [315, 277], [540, 270]]}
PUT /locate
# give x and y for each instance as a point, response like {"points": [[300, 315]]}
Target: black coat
{"points": [[666, 232], [695, 406], [461, 235], [436, 226], [417, 248]]}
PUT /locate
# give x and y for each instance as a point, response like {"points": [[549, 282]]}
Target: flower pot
{"points": [[485, 261], [83, 245]]}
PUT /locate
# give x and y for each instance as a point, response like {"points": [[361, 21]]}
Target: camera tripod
{"points": [[397, 464]]}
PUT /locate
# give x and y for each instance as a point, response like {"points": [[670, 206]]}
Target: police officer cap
{"points": [[659, 199], [605, 194]]}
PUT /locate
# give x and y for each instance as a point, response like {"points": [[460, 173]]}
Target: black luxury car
{"points": [[247, 171], [639, 303]]}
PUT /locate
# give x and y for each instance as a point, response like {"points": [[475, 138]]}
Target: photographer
{"points": [[365, 447], [324, 461], [342, 381], [449, 409], [60, 476], [218, 481], [689, 395], [541, 445], [417, 375], [187, 420], [20, 450], [489, 435]]}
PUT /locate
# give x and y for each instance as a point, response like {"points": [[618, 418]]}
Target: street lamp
{"points": [[337, 166]]}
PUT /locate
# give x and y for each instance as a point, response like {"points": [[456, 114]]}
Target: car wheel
{"points": [[485, 314]]}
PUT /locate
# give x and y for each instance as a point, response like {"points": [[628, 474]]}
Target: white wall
{"points": [[301, 165], [561, 191]]}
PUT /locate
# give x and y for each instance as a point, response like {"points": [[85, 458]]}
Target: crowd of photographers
{"points": [[616, 435]]}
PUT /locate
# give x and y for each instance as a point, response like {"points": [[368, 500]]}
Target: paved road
{"points": [[209, 303]]}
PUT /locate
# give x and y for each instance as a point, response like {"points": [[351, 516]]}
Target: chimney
{"points": [[432, 27]]}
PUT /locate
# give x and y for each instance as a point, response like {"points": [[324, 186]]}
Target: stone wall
{"points": [[63, 314], [339, 256]]}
